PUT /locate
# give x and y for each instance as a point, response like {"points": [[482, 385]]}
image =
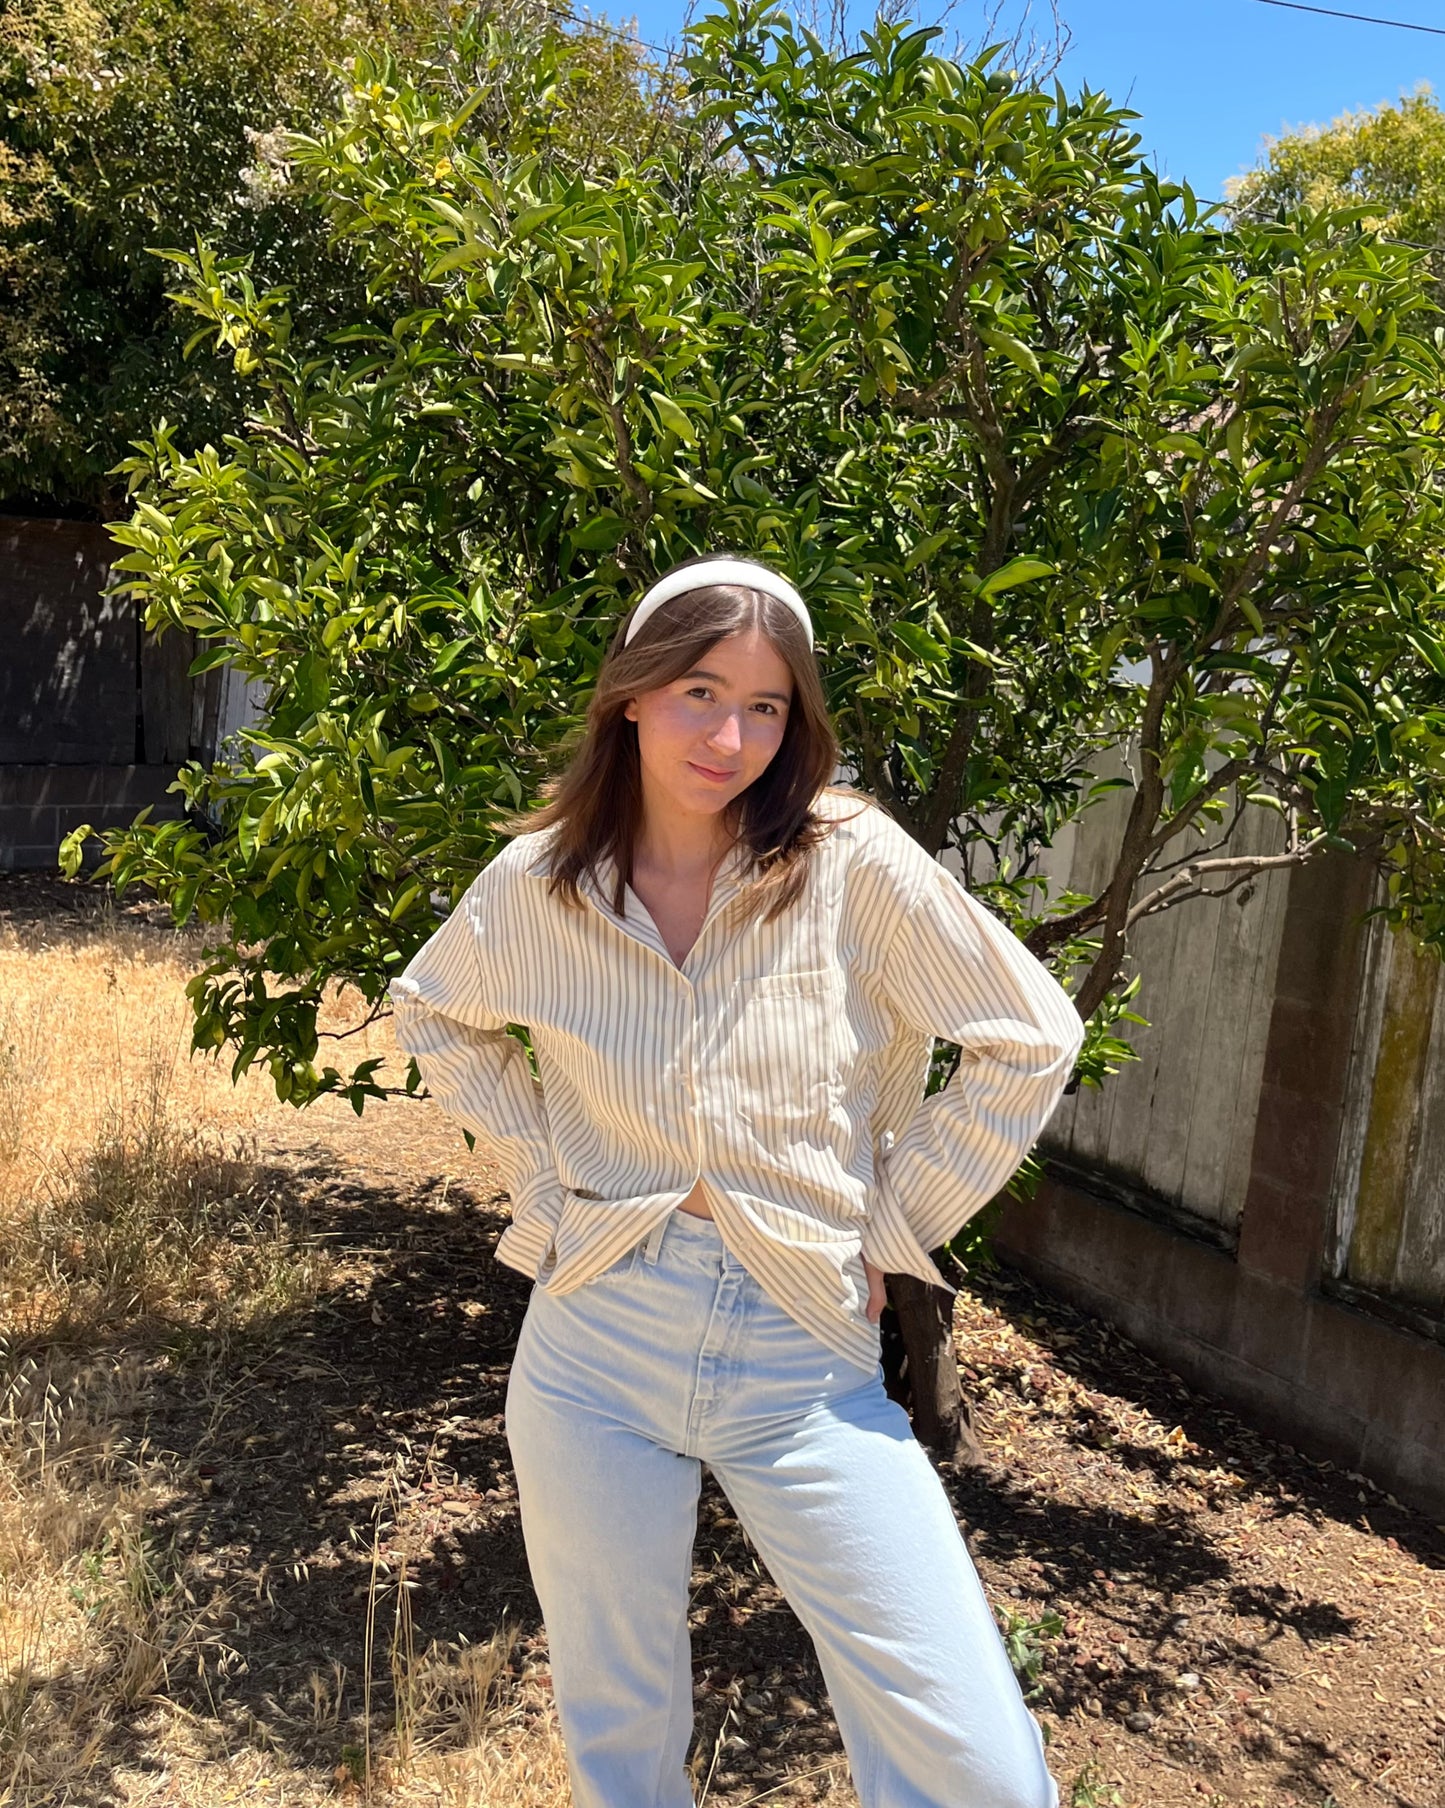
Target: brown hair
{"points": [[595, 803]]}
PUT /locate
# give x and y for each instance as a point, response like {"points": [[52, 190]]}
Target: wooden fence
{"points": [[1173, 1132], [1260, 1199], [1176, 1126], [1389, 1232], [96, 715]]}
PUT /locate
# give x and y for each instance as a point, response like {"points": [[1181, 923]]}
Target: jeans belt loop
{"points": [[653, 1246]]}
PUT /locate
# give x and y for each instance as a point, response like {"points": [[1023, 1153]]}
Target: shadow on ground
{"points": [[371, 1426]]}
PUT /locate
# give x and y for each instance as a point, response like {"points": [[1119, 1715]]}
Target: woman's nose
{"points": [[727, 737]]}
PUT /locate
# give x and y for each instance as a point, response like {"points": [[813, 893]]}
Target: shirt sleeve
{"points": [[954, 971], [478, 1073]]}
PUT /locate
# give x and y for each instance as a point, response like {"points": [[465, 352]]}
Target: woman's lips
{"points": [[717, 778]]}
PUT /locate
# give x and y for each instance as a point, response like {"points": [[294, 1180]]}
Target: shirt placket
{"points": [[726, 885]]}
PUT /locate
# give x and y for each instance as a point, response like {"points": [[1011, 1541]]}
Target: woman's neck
{"points": [[680, 847]]}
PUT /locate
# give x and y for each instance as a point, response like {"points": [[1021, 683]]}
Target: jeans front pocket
{"points": [[620, 1270], [582, 1228]]}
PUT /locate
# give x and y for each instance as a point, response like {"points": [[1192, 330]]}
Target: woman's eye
{"points": [[705, 691]]}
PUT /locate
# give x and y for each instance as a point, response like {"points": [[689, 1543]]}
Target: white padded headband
{"points": [[720, 571]]}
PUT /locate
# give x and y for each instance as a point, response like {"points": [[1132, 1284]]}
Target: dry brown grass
{"points": [[138, 1228], [140, 1233], [135, 1230], [131, 1202], [96, 1613]]}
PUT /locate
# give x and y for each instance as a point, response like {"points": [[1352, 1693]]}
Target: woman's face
{"points": [[707, 735]]}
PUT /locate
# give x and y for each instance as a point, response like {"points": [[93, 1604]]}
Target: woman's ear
{"points": [[629, 709]]}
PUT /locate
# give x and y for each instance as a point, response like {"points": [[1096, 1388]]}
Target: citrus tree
{"points": [[1061, 462], [127, 125]]}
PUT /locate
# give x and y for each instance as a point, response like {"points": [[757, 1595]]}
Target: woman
{"points": [[733, 973]]}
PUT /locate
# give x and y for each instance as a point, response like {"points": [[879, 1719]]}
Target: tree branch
{"points": [[1199, 853], [1314, 462], [378, 1011], [1185, 814], [1144, 813], [1175, 889], [948, 773], [879, 779]]}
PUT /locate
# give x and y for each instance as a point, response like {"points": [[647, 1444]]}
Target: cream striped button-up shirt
{"points": [[783, 1064]]}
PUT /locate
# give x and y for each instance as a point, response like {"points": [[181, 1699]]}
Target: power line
{"points": [[611, 31], [1293, 6], [1330, 12]]}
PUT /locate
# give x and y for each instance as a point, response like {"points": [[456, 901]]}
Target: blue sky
{"points": [[1209, 77]]}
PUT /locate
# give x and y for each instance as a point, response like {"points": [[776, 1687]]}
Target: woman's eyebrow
{"points": [[717, 678]]}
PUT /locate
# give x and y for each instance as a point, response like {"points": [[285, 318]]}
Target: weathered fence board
{"points": [[1178, 1123], [68, 678], [96, 716], [1390, 1177]]}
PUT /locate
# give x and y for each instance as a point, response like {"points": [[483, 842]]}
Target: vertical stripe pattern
{"points": [[781, 1064]]}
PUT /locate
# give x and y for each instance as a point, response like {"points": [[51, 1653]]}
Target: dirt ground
{"points": [[1236, 1624]]}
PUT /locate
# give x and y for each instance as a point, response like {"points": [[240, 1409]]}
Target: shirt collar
{"points": [[730, 878]]}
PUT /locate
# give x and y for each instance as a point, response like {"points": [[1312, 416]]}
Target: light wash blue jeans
{"points": [[619, 1392]]}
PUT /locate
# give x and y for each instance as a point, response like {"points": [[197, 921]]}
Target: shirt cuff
{"points": [[527, 1240], [888, 1239]]}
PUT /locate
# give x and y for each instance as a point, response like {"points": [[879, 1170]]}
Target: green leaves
{"points": [[671, 417], [1064, 465], [1015, 572]]}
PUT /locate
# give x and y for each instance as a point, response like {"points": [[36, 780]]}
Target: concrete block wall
{"points": [[39, 805], [1260, 1325], [1332, 1380]]}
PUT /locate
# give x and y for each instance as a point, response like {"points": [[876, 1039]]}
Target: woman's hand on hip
{"points": [[877, 1292]]}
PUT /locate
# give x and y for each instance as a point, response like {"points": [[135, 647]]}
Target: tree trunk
{"points": [[920, 1368]]}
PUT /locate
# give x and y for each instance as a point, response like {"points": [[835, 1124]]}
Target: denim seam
{"points": [[711, 1353]]}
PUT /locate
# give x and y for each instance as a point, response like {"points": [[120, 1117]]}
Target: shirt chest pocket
{"points": [[786, 1051]]}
